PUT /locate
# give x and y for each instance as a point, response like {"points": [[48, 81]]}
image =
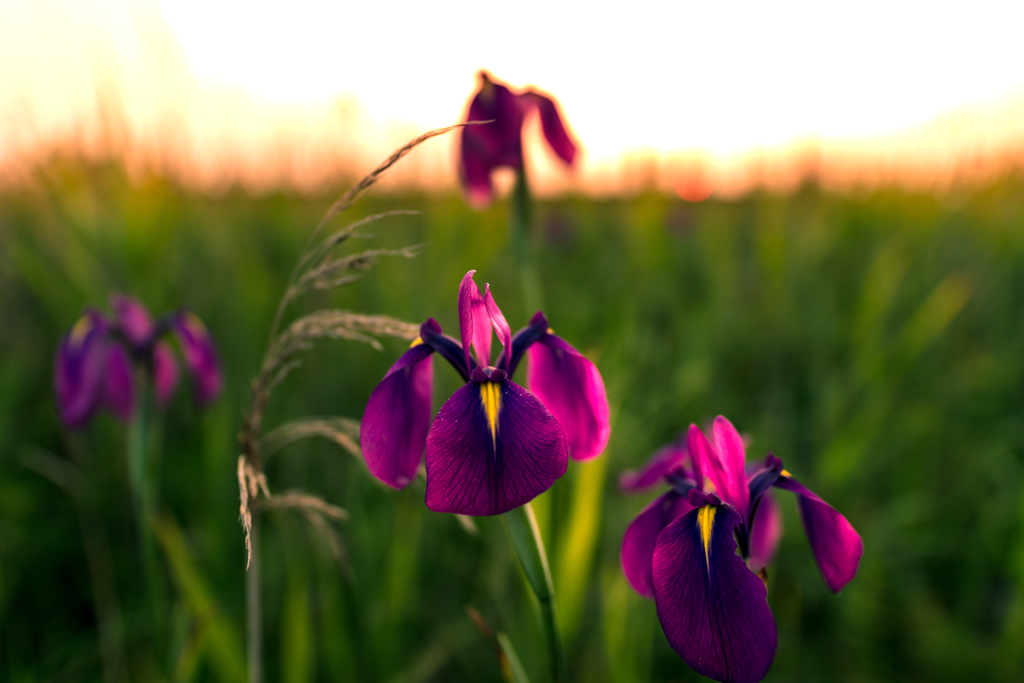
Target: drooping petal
{"points": [[570, 387], [765, 533], [836, 545], [713, 609], [132, 319], [493, 447], [200, 356], [394, 427], [641, 537], [665, 460], [475, 174], [474, 321], [501, 328], [165, 373], [118, 387], [78, 370], [552, 126]]}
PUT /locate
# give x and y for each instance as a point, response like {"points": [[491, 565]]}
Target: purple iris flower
{"points": [[93, 368], [681, 550], [494, 445], [499, 143]]}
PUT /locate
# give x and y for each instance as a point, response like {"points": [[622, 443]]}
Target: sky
{"points": [[659, 81]]}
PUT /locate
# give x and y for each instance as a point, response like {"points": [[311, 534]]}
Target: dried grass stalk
{"points": [[340, 430], [342, 271], [304, 502]]}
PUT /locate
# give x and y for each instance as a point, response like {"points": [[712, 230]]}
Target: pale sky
{"points": [[715, 78]]}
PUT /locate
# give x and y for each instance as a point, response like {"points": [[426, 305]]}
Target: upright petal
{"points": [[552, 126], [474, 321], [78, 370], [493, 447], [731, 461], [665, 460], [765, 533], [642, 536], [836, 545], [200, 356], [132, 319], [118, 387], [500, 325], [394, 427], [570, 387], [701, 453], [165, 372], [713, 609]]}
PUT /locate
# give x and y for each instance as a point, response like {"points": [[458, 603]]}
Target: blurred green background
{"points": [[874, 341]]}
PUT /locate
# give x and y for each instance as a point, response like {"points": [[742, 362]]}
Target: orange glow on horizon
{"points": [[148, 81]]}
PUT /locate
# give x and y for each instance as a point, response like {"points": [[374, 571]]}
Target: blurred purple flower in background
{"points": [[93, 368], [681, 549], [488, 146], [493, 445]]}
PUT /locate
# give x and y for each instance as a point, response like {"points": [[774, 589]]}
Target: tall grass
{"points": [[874, 342]]}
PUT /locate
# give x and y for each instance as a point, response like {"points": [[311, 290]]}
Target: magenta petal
{"points": [[474, 321], [765, 534], [472, 471], [642, 536], [501, 327], [665, 460], [200, 356], [836, 545], [475, 174], [713, 609], [78, 370], [729, 467], [165, 373], [132, 319], [570, 387], [486, 146], [553, 127], [394, 427], [118, 388]]}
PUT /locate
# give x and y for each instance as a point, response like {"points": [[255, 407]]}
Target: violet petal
{"points": [[132, 319], [165, 373], [765, 533], [642, 535], [665, 460], [118, 385], [836, 545], [200, 356], [570, 387], [713, 609], [394, 427], [552, 125], [78, 370], [493, 447]]}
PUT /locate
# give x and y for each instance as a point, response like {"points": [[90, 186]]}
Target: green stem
{"points": [[520, 218], [142, 474], [526, 539]]}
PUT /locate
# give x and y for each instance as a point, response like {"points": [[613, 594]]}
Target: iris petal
{"points": [[118, 388], [78, 370], [200, 356], [552, 126], [642, 536], [165, 372], [394, 427], [570, 387], [132, 319], [713, 609], [836, 545], [666, 460], [721, 462], [487, 453], [487, 146], [765, 533], [501, 328], [474, 321]]}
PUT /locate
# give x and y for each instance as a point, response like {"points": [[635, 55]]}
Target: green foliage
{"points": [[874, 342]]}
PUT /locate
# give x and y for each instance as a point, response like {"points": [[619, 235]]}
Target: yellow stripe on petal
{"points": [[705, 522], [80, 330], [490, 395], [785, 473], [416, 342]]}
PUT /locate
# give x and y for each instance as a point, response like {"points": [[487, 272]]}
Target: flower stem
{"points": [[520, 216], [526, 539], [142, 473]]}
